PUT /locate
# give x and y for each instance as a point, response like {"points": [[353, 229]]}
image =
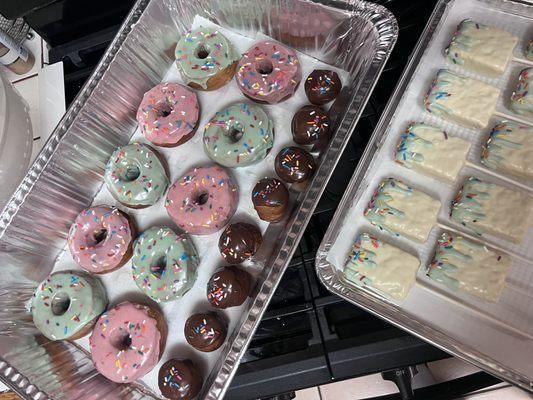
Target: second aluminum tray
{"points": [[497, 336]]}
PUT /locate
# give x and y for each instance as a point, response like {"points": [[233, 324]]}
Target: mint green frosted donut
{"points": [[164, 263], [66, 303], [239, 135], [135, 176], [203, 53]]}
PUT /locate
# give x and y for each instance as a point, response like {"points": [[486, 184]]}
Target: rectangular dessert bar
{"points": [[401, 210], [510, 148], [522, 97], [381, 266], [481, 48], [487, 207], [461, 264], [431, 151], [465, 101]]}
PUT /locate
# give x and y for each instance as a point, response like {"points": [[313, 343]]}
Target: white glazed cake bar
{"points": [[481, 48], [465, 101], [487, 207], [510, 149], [381, 266], [522, 97], [461, 264], [401, 210], [431, 151]]}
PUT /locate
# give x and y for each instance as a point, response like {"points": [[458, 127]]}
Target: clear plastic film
{"points": [[353, 36]]}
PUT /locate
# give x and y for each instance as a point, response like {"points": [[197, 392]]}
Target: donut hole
{"points": [[159, 267], [235, 132], [60, 303], [99, 235], [201, 198], [120, 340], [130, 173], [265, 67], [164, 110], [202, 51]]}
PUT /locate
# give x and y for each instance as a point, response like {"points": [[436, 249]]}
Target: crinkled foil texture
{"points": [[66, 175]]}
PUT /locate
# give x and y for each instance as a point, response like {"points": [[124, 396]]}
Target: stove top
{"points": [[308, 336]]}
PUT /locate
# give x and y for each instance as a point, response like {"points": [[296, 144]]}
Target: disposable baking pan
{"points": [[352, 35], [495, 336]]}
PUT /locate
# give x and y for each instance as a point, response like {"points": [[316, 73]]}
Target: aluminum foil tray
{"points": [[352, 35], [495, 335]]}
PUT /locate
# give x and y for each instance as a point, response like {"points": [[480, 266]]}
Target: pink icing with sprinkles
{"points": [[203, 200], [167, 113], [269, 72], [99, 238], [125, 343]]}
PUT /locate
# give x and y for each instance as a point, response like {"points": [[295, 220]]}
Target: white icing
{"points": [[494, 209], [468, 102], [481, 48], [432, 152], [472, 267], [417, 212], [391, 270], [510, 148]]}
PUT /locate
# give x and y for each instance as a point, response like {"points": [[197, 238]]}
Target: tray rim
{"points": [[386, 39], [329, 276]]}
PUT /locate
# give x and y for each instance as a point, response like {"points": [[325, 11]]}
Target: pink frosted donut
{"points": [[168, 114], [128, 341], [203, 200], [269, 72], [100, 239]]}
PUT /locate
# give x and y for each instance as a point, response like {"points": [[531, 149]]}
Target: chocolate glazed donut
{"points": [[271, 199], [179, 379], [239, 242], [310, 125], [206, 331], [229, 287]]}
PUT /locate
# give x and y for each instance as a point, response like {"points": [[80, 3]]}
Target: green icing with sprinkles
{"points": [[239, 135], [203, 53], [521, 99], [467, 208], [164, 264], [66, 302], [135, 176]]}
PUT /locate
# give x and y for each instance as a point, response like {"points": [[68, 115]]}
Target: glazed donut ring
{"points": [[136, 176], [128, 341], [203, 200], [268, 72], [67, 303], [168, 114], [239, 135], [206, 59], [164, 264], [100, 239]]}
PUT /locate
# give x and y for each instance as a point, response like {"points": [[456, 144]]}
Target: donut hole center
{"points": [[164, 110], [235, 132], [99, 235], [159, 267], [120, 340], [202, 51], [265, 67], [130, 173], [60, 303], [201, 198]]}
